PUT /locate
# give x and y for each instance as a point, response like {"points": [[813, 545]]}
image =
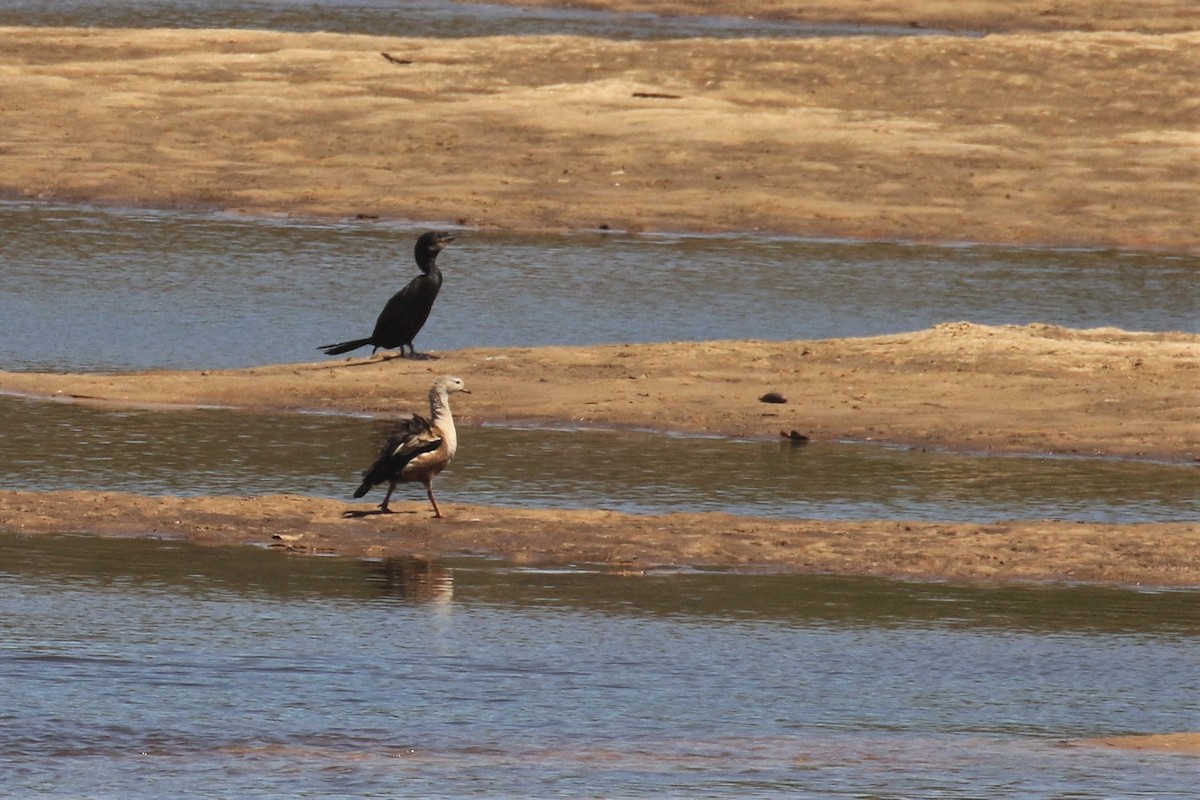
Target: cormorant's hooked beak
{"points": [[444, 239]]}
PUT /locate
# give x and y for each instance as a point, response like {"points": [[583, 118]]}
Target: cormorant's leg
{"points": [[437, 513], [384, 505]]}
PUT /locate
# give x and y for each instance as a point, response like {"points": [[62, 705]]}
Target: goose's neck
{"points": [[439, 408]]}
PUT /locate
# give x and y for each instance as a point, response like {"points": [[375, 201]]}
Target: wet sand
{"points": [[1154, 555], [957, 386]]}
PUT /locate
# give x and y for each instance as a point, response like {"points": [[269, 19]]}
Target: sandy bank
{"points": [[969, 387], [957, 385], [1058, 138], [1159, 554]]}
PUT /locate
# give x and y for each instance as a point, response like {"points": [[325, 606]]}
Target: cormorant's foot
{"points": [[423, 356]]}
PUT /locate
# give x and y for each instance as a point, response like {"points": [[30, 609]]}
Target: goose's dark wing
{"points": [[412, 438]]}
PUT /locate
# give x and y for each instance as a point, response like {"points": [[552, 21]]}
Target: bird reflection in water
{"points": [[410, 578]]}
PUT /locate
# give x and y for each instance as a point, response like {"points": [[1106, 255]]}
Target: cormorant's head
{"points": [[428, 246], [431, 243]]}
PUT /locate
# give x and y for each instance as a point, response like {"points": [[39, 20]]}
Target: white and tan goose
{"points": [[420, 449]]}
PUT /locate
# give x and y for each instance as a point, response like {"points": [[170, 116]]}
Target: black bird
{"points": [[404, 314]]}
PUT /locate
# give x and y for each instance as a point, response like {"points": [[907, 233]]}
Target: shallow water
{"points": [[138, 669], [58, 446], [436, 18], [101, 289]]}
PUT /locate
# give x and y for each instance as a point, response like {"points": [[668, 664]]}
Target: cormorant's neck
{"points": [[427, 262]]}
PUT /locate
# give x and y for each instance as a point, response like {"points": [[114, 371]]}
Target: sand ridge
{"points": [[1063, 138], [956, 386], [1033, 388], [1162, 554]]}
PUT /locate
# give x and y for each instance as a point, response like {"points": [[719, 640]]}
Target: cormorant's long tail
{"points": [[344, 347]]}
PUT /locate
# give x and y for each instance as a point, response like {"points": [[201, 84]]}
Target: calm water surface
{"points": [[101, 289], [51, 446], [438, 18], [137, 669]]}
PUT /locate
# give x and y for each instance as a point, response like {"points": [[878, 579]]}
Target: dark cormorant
{"points": [[420, 449], [407, 310]]}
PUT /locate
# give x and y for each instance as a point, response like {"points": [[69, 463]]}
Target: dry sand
{"points": [[1064, 138]]}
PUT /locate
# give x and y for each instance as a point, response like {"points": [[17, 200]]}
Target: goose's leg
{"points": [[429, 491], [384, 505]]}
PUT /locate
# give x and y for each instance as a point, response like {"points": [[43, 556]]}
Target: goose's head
{"points": [[450, 384]]}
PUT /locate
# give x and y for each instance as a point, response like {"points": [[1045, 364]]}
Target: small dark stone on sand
{"points": [[773, 397]]}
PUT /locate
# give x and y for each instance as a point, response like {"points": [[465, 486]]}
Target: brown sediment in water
{"points": [[1186, 743]]}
